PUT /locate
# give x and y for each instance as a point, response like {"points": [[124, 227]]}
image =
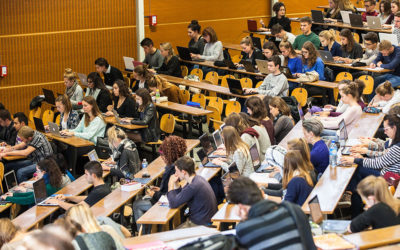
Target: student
{"points": [[67, 177], [110, 73], [212, 49], [296, 179], [123, 103], [171, 65], [93, 175], [196, 43], [347, 5], [279, 18], [270, 50], [69, 118], [382, 208], [388, 58], [292, 60], [253, 208], [197, 193], [125, 157], [10, 133], [72, 89], [384, 11], [46, 169], [319, 154], [311, 61], [91, 125], [259, 111], [237, 151], [308, 35], [301, 145], [394, 7], [371, 49], [333, 11], [153, 56], [142, 75], [281, 35], [98, 90], [396, 27], [20, 120], [385, 97], [275, 84], [341, 107], [147, 115], [283, 122], [351, 50], [172, 148], [10, 235], [34, 146], [370, 6], [158, 83], [327, 38], [249, 52]]}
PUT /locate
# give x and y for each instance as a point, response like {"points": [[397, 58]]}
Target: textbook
{"points": [[131, 186]]}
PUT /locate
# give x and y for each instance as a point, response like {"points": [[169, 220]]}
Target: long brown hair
{"points": [[233, 141], [257, 107], [295, 166], [95, 109], [66, 102], [211, 33], [350, 40], [292, 52], [143, 70], [301, 145], [278, 102], [123, 90], [49, 165], [236, 121], [146, 98], [312, 54], [377, 186]]}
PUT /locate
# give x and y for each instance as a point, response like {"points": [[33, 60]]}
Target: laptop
{"points": [[392, 38], [262, 66], [83, 79], [54, 130], [248, 66], [184, 54], [235, 87], [92, 155], [39, 124], [255, 156], [252, 25], [205, 161], [356, 20], [49, 96], [11, 181], [206, 144], [218, 140], [317, 16], [345, 16], [374, 22], [117, 118], [286, 71], [40, 193], [326, 56], [344, 141], [256, 42], [230, 64]]}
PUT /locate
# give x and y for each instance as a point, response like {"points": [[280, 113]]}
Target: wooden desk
{"points": [[14, 157], [173, 235], [190, 111], [367, 125], [112, 120], [5, 207], [375, 238], [232, 46], [325, 7], [228, 214], [330, 188], [362, 68]]}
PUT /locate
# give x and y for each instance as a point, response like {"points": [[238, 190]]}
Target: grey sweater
{"points": [[243, 163], [213, 52], [274, 85], [369, 56], [155, 60]]}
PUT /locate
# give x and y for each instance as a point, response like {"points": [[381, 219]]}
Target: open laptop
{"points": [[11, 181], [248, 66], [326, 56], [117, 118], [83, 79], [344, 141], [317, 16], [235, 87], [255, 156], [256, 42], [252, 25], [40, 193], [392, 38], [39, 124], [374, 22], [184, 54], [218, 140], [49, 96], [205, 160], [230, 64], [92, 155], [345, 16], [286, 71], [262, 66], [356, 20], [54, 130]]}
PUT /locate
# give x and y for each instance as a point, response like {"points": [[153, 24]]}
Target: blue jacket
{"points": [[318, 67], [335, 50], [391, 61], [295, 65]]}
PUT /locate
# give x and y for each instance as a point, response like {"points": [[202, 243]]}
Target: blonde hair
{"points": [[83, 215], [247, 40], [168, 47], [7, 231], [328, 35], [301, 145], [295, 166], [160, 83], [69, 74], [114, 133], [233, 141], [377, 186], [385, 45], [26, 132]]}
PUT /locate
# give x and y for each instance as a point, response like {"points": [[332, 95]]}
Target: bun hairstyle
{"points": [[328, 35], [351, 89], [69, 74], [142, 70], [247, 40], [195, 26], [384, 89]]}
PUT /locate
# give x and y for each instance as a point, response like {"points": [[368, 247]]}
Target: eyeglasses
{"points": [[367, 6], [304, 52], [386, 129], [368, 44]]}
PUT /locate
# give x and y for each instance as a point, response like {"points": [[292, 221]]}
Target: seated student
{"points": [[301, 145], [311, 61], [370, 6], [292, 60], [382, 208], [20, 120], [333, 11], [125, 157], [394, 7], [197, 193], [388, 58], [110, 73], [281, 35], [93, 175], [270, 50], [11, 235], [213, 48], [69, 118], [46, 169], [249, 52], [279, 18], [73, 90], [258, 110], [142, 75], [91, 125], [384, 11], [296, 179], [341, 107], [237, 151], [146, 115], [158, 83], [172, 148], [348, 5], [153, 56], [67, 177], [283, 121], [171, 65], [371, 51], [312, 129], [196, 43], [34, 146], [396, 27], [275, 84], [308, 35], [351, 50], [98, 90], [10, 133], [385, 97], [252, 211], [123, 103], [327, 38]]}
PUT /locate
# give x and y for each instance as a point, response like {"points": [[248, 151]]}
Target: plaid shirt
{"points": [[42, 147]]}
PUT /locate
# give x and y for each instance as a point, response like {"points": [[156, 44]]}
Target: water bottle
{"points": [[144, 168], [333, 154], [157, 96]]}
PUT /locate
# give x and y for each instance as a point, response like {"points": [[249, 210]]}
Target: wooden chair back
{"points": [[48, 116], [369, 84], [197, 72], [167, 123], [301, 95], [217, 103], [184, 70], [212, 77], [232, 107], [200, 98], [184, 96], [246, 82], [224, 82]]}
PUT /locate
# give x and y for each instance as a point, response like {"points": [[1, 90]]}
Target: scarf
{"points": [[71, 90], [252, 132]]}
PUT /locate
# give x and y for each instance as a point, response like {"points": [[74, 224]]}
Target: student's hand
{"points": [[52, 201], [20, 188], [60, 197], [348, 160], [174, 180], [372, 66], [154, 188], [3, 144], [126, 119], [2, 155], [217, 161], [26, 185], [379, 64], [109, 113], [105, 168], [328, 106], [365, 141], [356, 155], [262, 23], [195, 56], [110, 108], [149, 192], [347, 60], [337, 58], [67, 133], [358, 150], [220, 151]]}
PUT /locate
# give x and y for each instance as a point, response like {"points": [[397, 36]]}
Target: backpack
{"points": [[292, 102], [214, 242]]}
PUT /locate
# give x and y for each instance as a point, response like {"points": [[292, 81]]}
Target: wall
{"points": [[39, 39]]}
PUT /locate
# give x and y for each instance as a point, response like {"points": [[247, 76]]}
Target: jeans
{"points": [[360, 173], [393, 79], [139, 208], [17, 166], [26, 173]]}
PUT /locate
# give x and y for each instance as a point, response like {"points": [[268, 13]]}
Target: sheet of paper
{"points": [[262, 178]]}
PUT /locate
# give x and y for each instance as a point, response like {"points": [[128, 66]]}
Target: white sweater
{"points": [[213, 52], [387, 105], [350, 116]]}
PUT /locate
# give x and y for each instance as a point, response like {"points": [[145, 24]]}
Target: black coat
{"points": [[110, 78], [172, 68], [127, 108], [103, 100], [148, 117]]}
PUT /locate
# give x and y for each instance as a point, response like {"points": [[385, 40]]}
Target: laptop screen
{"points": [[39, 190], [255, 156], [342, 132], [93, 156], [206, 144], [11, 180], [217, 138], [315, 210], [202, 156]]}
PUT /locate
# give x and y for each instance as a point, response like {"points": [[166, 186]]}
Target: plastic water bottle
{"points": [[333, 154], [157, 96], [144, 167]]}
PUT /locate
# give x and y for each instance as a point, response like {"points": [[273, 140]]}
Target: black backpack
{"points": [[291, 101], [214, 242]]}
